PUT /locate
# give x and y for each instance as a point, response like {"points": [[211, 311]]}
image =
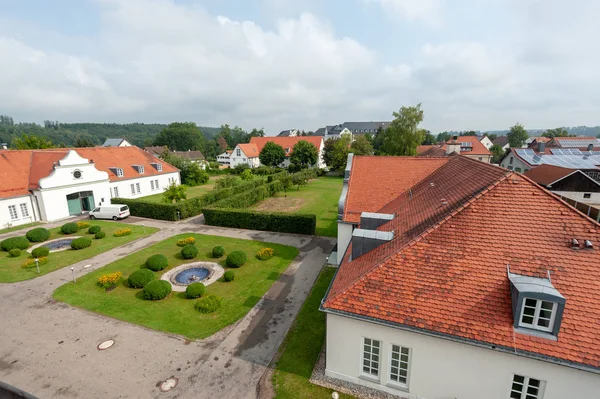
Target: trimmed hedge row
{"points": [[265, 221], [276, 176], [250, 197]]}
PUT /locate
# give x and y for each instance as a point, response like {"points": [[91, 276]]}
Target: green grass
{"points": [[320, 197], [19, 227], [11, 271], [176, 313], [192, 192], [302, 347]]}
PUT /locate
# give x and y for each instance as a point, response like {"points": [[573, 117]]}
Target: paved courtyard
{"points": [[50, 349]]}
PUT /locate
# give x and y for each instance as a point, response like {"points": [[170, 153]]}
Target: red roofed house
{"points": [[55, 184], [469, 146], [249, 153], [462, 280]]}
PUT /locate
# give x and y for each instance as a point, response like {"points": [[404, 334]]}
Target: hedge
{"points": [[141, 277], [156, 290], [195, 290], [276, 176], [189, 252], [39, 234], [40, 252], [69, 228], [266, 221], [14, 242], [81, 243], [250, 197]]}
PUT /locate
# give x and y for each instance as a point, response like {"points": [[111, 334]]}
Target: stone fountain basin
{"points": [[53, 244], [215, 272]]}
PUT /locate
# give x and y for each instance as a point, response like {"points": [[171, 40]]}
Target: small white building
{"points": [[288, 143], [224, 158], [244, 154], [485, 140], [117, 143]]}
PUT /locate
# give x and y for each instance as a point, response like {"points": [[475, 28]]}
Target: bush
{"points": [[40, 252], [110, 279], [69, 228], [247, 175], [122, 232], [14, 242], [186, 241], [236, 259], [30, 263], [189, 252], [240, 168], [14, 253], [94, 229], [266, 221], [139, 278], [38, 234], [156, 290], [226, 182], [195, 290], [157, 262], [229, 275], [208, 304], [81, 243], [82, 225], [265, 253], [100, 235], [218, 251]]}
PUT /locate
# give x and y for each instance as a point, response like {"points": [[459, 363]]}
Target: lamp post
{"points": [[172, 231], [335, 395], [73, 272], [37, 265], [144, 226]]}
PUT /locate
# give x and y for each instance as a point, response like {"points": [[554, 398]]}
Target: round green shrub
{"points": [[81, 243], [94, 229], [38, 234], [14, 242], [236, 259], [156, 290], [195, 290], [69, 228], [14, 253], [229, 275], [157, 262], [40, 252], [139, 278], [100, 235], [218, 251], [208, 304], [189, 252]]}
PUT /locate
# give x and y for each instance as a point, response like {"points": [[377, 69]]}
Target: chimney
{"points": [[364, 241], [371, 221], [541, 147], [4, 146], [590, 147], [452, 147]]}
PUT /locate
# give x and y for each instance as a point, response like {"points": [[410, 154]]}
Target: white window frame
{"points": [[119, 172], [156, 185], [137, 186], [536, 315], [116, 191], [363, 359], [12, 210], [238, 152], [152, 185], [399, 367], [159, 167], [24, 209], [140, 169], [523, 391], [132, 189]]}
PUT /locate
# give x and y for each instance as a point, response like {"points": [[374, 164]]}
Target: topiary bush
{"points": [[229, 275], [156, 290], [195, 290], [189, 252], [236, 259], [218, 251], [14, 242], [14, 253], [100, 235], [139, 278], [157, 262], [208, 304], [81, 243], [69, 228], [94, 229], [38, 234], [265, 253], [40, 252]]}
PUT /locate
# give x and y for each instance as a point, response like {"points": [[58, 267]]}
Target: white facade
{"points": [[443, 369], [487, 143], [15, 211], [512, 162], [142, 186], [224, 158], [343, 239], [239, 157], [583, 197]]}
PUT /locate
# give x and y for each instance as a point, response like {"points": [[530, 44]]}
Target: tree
{"points": [[443, 137], [298, 179], [361, 146], [222, 143], [429, 139], [32, 142], [181, 136], [83, 142], [517, 136], [403, 136], [226, 134], [272, 154], [491, 136], [174, 193], [247, 175], [469, 133], [557, 132], [191, 173], [498, 153], [286, 181], [257, 133], [335, 153], [304, 154]]}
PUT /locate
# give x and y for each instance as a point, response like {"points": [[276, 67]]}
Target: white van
{"points": [[114, 212]]}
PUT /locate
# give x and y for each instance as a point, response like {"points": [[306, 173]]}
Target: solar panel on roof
{"points": [[563, 158]]}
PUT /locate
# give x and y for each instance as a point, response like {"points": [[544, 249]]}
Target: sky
{"points": [[281, 64]]}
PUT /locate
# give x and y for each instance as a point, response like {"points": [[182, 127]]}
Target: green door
{"points": [[74, 206], [88, 203]]}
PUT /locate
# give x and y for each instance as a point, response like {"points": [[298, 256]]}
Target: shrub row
{"points": [[250, 197], [265, 221], [14, 242], [276, 176]]}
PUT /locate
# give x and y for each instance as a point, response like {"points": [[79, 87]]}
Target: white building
{"points": [[461, 280], [224, 158], [117, 143], [485, 140], [244, 154], [249, 153], [48, 185]]}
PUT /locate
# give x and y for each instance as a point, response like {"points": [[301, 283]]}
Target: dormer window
{"points": [[139, 168], [157, 166], [538, 314], [117, 171]]}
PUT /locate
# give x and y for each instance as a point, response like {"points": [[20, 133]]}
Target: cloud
{"points": [[428, 11]]}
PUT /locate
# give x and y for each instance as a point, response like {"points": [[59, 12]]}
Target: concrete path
{"points": [[49, 348]]}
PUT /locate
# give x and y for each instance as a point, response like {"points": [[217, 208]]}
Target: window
{"points": [[399, 365], [238, 152], [538, 314], [526, 388], [24, 210], [370, 362], [132, 189], [159, 167], [481, 158], [587, 195], [140, 169], [137, 186], [156, 184], [510, 168], [77, 174], [119, 172], [510, 160], [13, 212], [116, 190], [518, 170], [152, 185]]}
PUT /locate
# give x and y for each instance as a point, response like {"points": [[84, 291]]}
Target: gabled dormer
{"points": [[157, 165], [139, 168], [117, 171]]}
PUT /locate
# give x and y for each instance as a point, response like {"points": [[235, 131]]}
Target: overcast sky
{"points": [[279, 64]]}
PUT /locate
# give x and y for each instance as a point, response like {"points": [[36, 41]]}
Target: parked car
{"points": [[114, 212]]}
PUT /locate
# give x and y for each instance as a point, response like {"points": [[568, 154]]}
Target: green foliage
{"points": [[157, 262], [265, 254], [31, 142], [362, 146], [39, 234], [218, 251], [491, 136], [174, 193], [517, 136], [195, 290], [81, 243], [181, 136], [69, 228], [498, 153], [82, 225], [277, 176], [403, 136], [226, 182], [208, 304], [94, 229], [139, 278], [247, 175], [557, 132], [264, 221], [191, 173], [156, 290], [335, 153], [14, 253], [250, 197], [240, 168], [263, 170], [229, 276], [304, 154], [14, 242], [236, 259], [122, 232], [429, 139], [272, 154], [189, 252], [40, 252], [100, 235]]}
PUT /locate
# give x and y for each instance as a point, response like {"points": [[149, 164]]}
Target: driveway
{"points": [[50, 349]]}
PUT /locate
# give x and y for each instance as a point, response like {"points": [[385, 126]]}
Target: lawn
{"points": [[192, 192], [302, 347], [320, 197], [176, 314], [19, 227], [11, 271]]}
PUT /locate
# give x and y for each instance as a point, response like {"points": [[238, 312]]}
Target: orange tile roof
{"points": [[286, 142], [478, 148], [14, 173], [548, 174], [445, 270], [250, 150], [434, 151], [422, 148]]}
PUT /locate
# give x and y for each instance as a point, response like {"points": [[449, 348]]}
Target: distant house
{"points": [[524, 159], [468, 146], [224, 158], [354, 128], [244, 154], [579, 185], [502, 141], [157, 151], [193, 156], [117, 143], [485, 140], [249, 153], [288, 133]]}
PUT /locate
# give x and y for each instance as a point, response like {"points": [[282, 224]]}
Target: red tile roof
{"points": [[286, 142], [478, 148], [422, 148], [434, 151], [548, 174], [14, 173], [250, 150], [445, 270]]}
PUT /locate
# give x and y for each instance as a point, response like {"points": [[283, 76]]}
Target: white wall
{"points": [[517, 163], [443, 369], [343, 239], [5, 219], [243, 159], [124, 186], [484, 158], [577, 196], [487, 143]]}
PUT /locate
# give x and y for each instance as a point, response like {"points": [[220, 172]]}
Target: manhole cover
{"points": [[87, 266], [106, 344], [169, 384]]}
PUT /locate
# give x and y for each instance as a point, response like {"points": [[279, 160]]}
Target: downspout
{"points": [[37, 205]]}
